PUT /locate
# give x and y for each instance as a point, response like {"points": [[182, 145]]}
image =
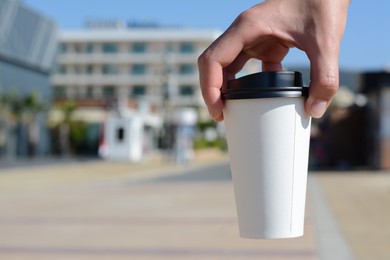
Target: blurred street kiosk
{"points": [[123, 138], [128, 134]]}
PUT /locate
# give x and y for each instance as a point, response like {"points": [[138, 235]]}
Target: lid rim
{"points": [[266, 85], [267, 89], [248, 95]]}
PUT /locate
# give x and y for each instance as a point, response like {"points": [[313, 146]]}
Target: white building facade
{"points": [[104, 67], [118, 73]]}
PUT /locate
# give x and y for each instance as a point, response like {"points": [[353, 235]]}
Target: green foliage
{"points": [[202, 143], [18, 105], [202, 126], [68, 108], [32, 102], [78, 134]]}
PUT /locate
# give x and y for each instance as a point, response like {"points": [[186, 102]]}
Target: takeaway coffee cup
{"points": [[268, 135]]}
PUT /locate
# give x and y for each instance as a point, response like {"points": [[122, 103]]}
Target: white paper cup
{"points": [[268, 140]]}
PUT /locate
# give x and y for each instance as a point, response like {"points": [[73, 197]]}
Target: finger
{"points": [[271, 66], [219, 118], [324, 82], [222, 53], [271, 52], [236, 66], [211, 64], [211, 79]]}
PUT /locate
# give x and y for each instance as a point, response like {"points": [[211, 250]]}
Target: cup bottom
{"points": [[270, 236]]}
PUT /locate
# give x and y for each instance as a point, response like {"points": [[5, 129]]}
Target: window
{"points": [[187, 47], [89, 92], [138, 90], [77, 69], [138, 47], [120, 134], [110, 48], [109, 92], [77, 93], [63, 48], [186, 69], [186, 90], [89, 69], [59, 92], [78, 48], [169, 48], [61, 69], [138, 69], [89, 48], [110, 69]]}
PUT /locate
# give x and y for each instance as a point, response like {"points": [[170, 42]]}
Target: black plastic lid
{"points": [[266, 85]]}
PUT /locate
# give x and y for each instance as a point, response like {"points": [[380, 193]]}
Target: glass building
{"points": [[27, 51]]}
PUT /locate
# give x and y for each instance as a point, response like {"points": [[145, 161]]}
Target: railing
{"points": [[151, 79], [125, 58]]}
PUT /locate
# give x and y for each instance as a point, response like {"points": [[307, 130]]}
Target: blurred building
{"points": [[113, 70], [355, 131], [112, 64], [376, 86], [27, 50], [117, 74]]}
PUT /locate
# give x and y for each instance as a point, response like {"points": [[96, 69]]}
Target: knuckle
{"points": [[244, 16], [204, 58], [201, 59], [245, 20], [247, 15], [328, 85]]}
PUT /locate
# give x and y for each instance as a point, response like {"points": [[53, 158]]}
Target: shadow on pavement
{"points": [[214, 172]]}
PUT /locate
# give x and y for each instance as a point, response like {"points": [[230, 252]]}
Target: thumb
{"points": [[324, 82]]}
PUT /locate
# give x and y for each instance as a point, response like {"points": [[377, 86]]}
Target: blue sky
{"points": [[366, 43]]}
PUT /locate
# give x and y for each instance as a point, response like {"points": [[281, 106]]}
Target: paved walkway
{"points": [[360, 205], [105, 210]]}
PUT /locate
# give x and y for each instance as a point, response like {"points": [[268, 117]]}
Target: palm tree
{"points": [[67, 109], [18, 113], [11, 111], [3, 124], [31, 108]]}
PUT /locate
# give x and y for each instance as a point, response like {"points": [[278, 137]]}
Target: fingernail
{"points": [[213, 116], [217, 118], [317, 108]]}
